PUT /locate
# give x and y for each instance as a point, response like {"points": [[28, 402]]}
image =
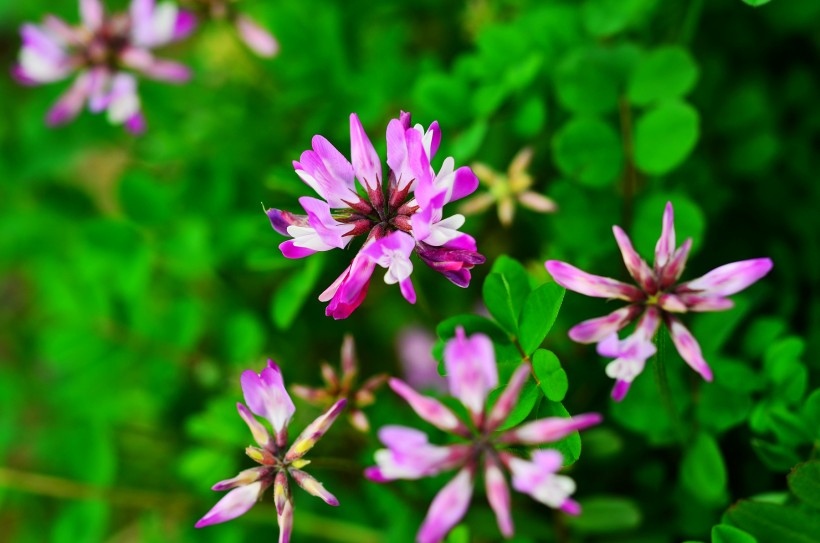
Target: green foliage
{"points": [[772, 523], [665, 135], [552, 377], [588, 149], [703, 470], [804, 482], [607, 514]]}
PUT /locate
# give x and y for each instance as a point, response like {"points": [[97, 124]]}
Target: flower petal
{"points": [[257, 38], [698, 303], [550, 429], [594, 330], [620, 389], [366, 163], [280, 220], [314, 431], [235, 503], [539, 479], [637, 267], [260, 434], [245, 477], [266, 396], [585, 283], [91, 13], [429, 409], [666, 243], [729, 278], [471, 369], [509, 398], [448, 508], [310, 485], [409, 455], [674, 268], [69, 105], [498, 494], [688, 347]]}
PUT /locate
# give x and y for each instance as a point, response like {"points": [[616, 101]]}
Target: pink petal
{"points": [[408, 291], [550, 429], [184, 26], [688, 347], [729, 278], [471, 369], [366, 162], [167, 70], [289, 250], [594, 330], [312, 486], [91, 13], [314, 431], [257, 38], [509, 398], [464, 183], [266, 396], [244, 478], [666, 243], [235, 503], [328, 172], [414, 346], [637, 267], [280, 220], [672, 303], [285, 521], [259, 432], [397, 154], [448, 508], [43, 43], [498, 494], [69, 105], [585, 283], [696, 302], [674, 268], [620, 389], [330, 231], [429, 409]]}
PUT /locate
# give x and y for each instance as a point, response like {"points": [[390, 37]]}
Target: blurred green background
{"points": [[139, 276]]}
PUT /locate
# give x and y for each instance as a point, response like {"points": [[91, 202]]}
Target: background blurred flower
{"points": [[414, 346], [103, 52], [257, 38], [507, 191]]}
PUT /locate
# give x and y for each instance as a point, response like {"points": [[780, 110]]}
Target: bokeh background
{"points": [[139, 276]]}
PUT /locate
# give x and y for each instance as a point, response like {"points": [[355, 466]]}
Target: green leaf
{"points": [[804, 482], [771, 523], [589, 150], [459, 534], [690, 222], [608, 17], [811, 411], [606, 514], [538, 315], [703, 472], [756, 3], [723, 533], [586, 83], [665, 73], [472, 324], [664, 137], [721, 407], [498, 299], [552, 376], [530, 117], [291, 295], [775, 456]]}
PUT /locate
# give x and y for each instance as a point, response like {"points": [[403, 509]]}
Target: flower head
{"points": [[104, 52], [266, 397], [471, 374], [257, 38], [507, 191], [657, 296], [402, 212], [344, 386]]}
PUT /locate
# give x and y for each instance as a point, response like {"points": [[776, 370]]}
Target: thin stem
{"points": [[662, 382], [525, 359]]}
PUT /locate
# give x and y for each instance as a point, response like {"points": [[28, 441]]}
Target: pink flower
{"points": [[657, 296], [401, 214], [266, 397], [257, 38], [471, 374], [104, 52]]}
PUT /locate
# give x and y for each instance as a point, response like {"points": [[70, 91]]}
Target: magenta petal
{"points": [[729, 278], [91, 13], [69, 105], [266, 396], [688, 347], [550, 429], [571, 507], [366, 162], [38, 41], [289, 250], [594, 330], [407, 290], [465, 183], [666, 243], [235, 503], [471, 369], [184, 25], [258, 39], [448, 508], [585, 283], [697, 303], [429, 409], [637, 267], [498, 494], [674, 268], [620, 389], [397, 156], [280, 220]]}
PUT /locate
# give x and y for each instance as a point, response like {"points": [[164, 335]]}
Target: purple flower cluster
{"points": [[658, 297], [471, 374], [400, 213], [107, 52]]}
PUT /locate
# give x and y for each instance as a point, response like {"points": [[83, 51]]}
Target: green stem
{"points": [[630, 178], [662, 382], [525, 359]]}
